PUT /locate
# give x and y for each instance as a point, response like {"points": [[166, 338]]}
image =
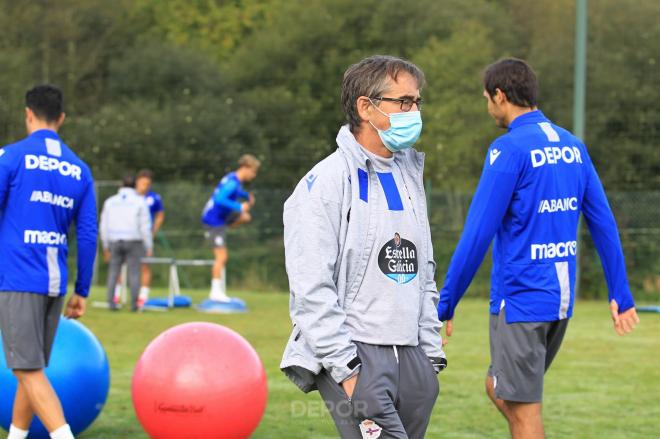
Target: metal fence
{"points": [[256, 252]]}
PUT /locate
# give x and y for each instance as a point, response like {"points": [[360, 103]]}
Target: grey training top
{"points": [[386, 308]]}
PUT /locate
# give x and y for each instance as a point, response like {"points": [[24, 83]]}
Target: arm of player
{"points": [[311, 230], [159, 216], [221, 196], [6, 171], [159, 219], [243, 194], [603, 228], [86, 235], [489, 204]]}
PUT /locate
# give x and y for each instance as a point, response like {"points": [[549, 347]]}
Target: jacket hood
{"points": [[351, 148]]}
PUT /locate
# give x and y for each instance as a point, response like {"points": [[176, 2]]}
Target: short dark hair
{"points": [[515, 78], [144, 173], [46, 102], [370, 77], [128, 180]]}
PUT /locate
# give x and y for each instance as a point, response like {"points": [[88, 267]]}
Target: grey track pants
{"points": [[396, 389], [129, 252]]}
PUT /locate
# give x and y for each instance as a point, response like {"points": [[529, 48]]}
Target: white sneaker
{"points": [[219, 296]]}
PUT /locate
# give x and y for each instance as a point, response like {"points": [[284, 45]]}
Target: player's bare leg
{"points": [[43, 401], [525, 420], [22, 413], [499, 403], [221, 255], [145, 283]]}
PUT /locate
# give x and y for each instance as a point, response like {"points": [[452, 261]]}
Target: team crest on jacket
{"points": [[398, 259]]}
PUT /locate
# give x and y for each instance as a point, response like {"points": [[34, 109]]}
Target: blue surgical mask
{"points": [[403, 132]]}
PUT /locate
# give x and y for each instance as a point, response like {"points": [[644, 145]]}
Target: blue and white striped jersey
{"points": [[536, 181], [44, 187]]}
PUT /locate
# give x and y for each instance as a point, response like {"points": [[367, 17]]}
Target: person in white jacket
{"points": [[360, 264], [126, 237]]}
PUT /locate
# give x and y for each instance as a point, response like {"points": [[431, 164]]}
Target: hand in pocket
{"points": [[349, 385]]}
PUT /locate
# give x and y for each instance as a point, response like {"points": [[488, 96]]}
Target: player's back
{"points": [[535, 247], [43, 185]]}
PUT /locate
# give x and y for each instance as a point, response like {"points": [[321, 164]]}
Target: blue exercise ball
{"points": [[78, 371]]}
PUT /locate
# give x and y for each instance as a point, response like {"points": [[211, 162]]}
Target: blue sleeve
{"points": [[6, 167], [242, 193], [602, 226], [158, 204], [489, 205], [86, 233], [222, 194]]}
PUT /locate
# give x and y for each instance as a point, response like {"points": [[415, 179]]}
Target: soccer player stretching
{"points": [[224, 210]]}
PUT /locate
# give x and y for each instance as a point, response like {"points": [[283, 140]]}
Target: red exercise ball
{"points": [[199, 381]]}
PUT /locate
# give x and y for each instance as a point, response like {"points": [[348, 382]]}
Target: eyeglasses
{"points": [[405, 103]]}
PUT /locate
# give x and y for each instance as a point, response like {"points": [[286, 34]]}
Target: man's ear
{"points": [[60, 120], [500, 97], [364, 107]]}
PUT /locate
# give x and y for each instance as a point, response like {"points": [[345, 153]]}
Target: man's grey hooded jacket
{"points": [[329, 234]]}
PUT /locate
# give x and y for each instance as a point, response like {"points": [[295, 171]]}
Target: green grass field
{"points": [[600, 386]]}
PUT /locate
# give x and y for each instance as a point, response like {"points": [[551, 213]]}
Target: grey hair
{"points": [[371, 77]]}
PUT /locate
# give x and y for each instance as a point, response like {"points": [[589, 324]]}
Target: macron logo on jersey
{"points": [[494, 154], [552, 155], [46, 163], [553, 250], [558, 205], [44, 237], [50, 198]]}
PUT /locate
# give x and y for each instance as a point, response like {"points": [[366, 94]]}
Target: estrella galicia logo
{"points": [[398, 260]]}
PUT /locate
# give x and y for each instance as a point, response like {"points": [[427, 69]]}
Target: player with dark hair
{"points": [[537, 180], [44, 187]]}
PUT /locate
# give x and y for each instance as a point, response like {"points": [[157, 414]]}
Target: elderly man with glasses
{"points": [[360, 264]]}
